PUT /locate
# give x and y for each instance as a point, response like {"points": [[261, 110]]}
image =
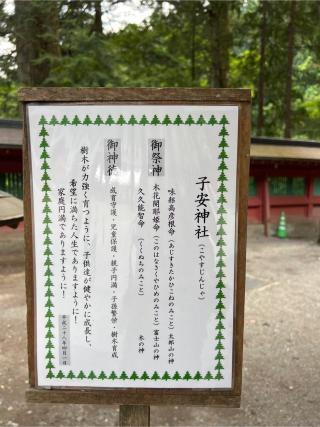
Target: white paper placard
{"points": [[134, 210]]}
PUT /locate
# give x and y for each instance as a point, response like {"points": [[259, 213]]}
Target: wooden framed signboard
{"points": [[135, 227]]}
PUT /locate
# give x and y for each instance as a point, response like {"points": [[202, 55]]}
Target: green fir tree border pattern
{"points": [[47, 244]]}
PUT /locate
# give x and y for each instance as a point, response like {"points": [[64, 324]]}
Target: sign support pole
{"points": [[134, 415]]}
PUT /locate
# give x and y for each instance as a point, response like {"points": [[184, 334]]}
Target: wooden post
{"points": [[134, 415], [310, 185], [265, 205]]}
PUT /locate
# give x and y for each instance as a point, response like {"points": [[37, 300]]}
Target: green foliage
{"points": [[9, 107], [189, 44], [86, 58]]}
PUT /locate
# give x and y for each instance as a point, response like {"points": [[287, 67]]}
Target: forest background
{"points": [[271, 47]]}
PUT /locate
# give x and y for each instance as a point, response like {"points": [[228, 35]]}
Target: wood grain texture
{"points": [[118, 396], [241, 233], [29, 256], [52, 94], [134, 415], [134, 396]]}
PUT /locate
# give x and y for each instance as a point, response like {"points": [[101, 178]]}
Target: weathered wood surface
{"points": [[134, 415], [29, 256], [241, 242], [52, 94], [116, 396]]}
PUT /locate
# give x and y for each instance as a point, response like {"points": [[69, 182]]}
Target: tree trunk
{"points": [[36, 33], [290, 57], [262, 61], [97, 24], [193, 44], [24, 47], [220, 41]]}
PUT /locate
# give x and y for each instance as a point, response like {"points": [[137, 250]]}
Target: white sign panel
{"points": [[134, 212]]}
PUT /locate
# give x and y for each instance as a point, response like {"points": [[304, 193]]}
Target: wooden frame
{"points": [[144, 396]]}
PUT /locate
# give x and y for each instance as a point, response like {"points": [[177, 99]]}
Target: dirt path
{"points": [[282, 346]]}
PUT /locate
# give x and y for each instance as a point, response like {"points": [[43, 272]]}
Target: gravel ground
{"points": [[281, 384]]}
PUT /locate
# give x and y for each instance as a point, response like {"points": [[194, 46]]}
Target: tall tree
{"points": [[36, 31], [97, 24], [289, 76], [262, 61], [220, 41], [193, 20]]}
